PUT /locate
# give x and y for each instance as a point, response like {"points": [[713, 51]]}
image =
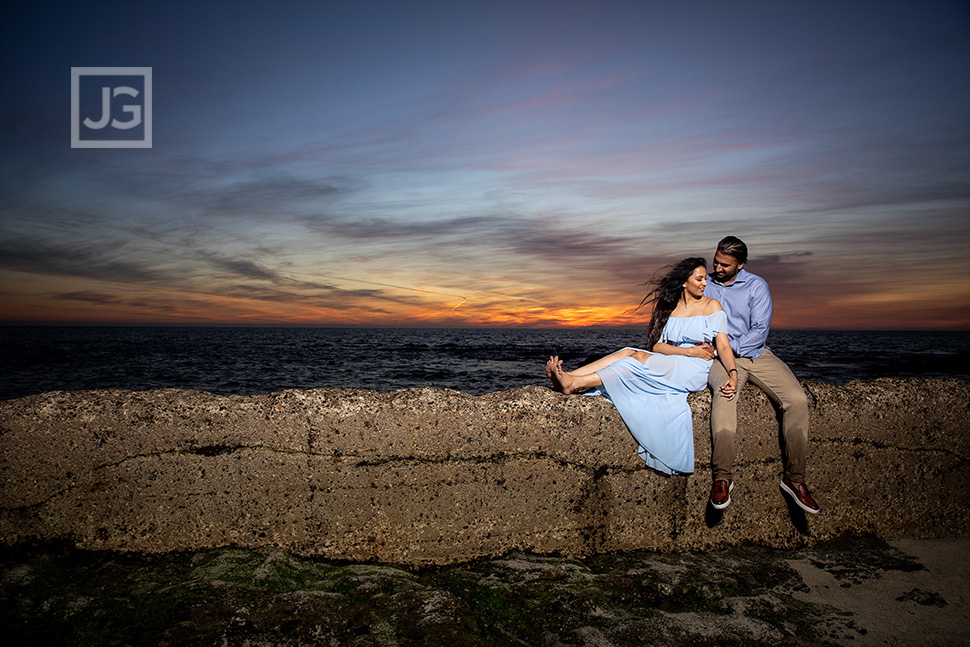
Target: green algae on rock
{"points": [[230, 596]]}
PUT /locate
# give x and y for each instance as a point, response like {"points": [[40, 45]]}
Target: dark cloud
{"points": [[104, 299], [537, 237], [369, 228], [782, 272], [98, 298], [266, 196], [243, 268], [87, 259]]}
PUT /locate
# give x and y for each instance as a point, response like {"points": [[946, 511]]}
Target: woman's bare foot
{"points": [[553, 370], [567, 383], [549, 364]]}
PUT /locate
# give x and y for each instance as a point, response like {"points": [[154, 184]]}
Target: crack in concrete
{"points": [[217, 450], [595, 471]]}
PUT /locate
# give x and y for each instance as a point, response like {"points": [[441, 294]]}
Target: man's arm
{"points": [[726, 356], [750, 343]]}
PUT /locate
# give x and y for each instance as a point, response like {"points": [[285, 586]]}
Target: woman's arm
{"points": [[703, 351], [726, 355]]}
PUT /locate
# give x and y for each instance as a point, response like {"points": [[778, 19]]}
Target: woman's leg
{"points": [[585, 376], [567, 382], [602, 362]]}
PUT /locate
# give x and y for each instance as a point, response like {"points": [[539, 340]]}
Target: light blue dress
{"points": [[652, 396]]}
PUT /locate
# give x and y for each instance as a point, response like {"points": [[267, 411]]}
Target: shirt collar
{"points": [[741, 277]]}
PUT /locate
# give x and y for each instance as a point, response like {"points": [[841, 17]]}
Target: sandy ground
{"points": [[926, 607]]}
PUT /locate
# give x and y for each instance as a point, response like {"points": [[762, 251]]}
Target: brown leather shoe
{"points": [[721, 494], [800, 495]]}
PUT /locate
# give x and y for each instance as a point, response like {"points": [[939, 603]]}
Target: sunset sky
{"points": [[493, 163]]}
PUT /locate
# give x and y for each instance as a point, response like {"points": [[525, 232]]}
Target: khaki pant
{"points": [[777, 381]]}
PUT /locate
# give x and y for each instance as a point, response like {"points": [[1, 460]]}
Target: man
{"points": [[747, 302]]}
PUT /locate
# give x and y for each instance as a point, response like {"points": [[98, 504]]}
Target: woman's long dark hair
{"points": [[666, 293]]}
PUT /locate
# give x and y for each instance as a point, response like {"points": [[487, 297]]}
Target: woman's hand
{"points": [[703, 351], [730, 388]]}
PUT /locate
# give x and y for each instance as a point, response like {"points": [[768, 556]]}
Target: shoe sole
{"points": [[721, 506], [787, 490]]}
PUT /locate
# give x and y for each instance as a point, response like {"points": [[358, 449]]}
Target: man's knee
{"points": [[716, 377], [796, 400]]}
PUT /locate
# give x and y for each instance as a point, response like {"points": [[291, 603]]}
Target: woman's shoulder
{"points": [[712, 306]]}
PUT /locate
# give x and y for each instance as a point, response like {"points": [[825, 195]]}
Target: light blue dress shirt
{"points": [[747, 302]]}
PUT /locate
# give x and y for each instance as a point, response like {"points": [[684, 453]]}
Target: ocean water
{"points": [[37, 359]]}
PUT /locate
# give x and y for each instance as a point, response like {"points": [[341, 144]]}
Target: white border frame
{"points": [[76, 73]]}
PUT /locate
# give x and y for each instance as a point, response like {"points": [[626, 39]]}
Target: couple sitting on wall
{"points": [[696, 317]]}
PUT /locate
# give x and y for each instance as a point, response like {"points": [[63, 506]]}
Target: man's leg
{"points": [[724, 426], [779, 383], [776, 379]]}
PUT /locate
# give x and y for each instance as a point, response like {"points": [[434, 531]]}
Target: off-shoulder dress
{"points": [[651, 396]]}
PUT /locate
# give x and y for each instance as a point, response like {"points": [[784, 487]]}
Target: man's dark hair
{"points": [[735, 247]]}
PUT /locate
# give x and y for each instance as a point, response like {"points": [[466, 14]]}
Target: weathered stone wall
{"points": [[433, 476]]}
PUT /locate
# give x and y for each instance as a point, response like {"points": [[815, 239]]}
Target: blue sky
{"points": [[488, 163]]}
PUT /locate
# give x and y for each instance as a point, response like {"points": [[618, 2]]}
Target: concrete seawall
{"points": [[433, 476]]}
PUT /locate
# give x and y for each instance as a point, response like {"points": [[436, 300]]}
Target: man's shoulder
{"points": [[752, 280]]}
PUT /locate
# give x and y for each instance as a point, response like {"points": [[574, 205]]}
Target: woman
{"points": [[650, 389]]}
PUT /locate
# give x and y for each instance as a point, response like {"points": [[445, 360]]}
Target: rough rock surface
{"points": [[434, 476]]}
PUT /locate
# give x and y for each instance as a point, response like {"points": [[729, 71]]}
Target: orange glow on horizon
{"points": [[108, 303], [226, 311]]}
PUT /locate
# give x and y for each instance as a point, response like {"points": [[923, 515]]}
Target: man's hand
{"points": [[730, 388], [702, 350]]}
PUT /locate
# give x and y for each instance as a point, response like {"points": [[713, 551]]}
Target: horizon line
{"points": [[119, 324]]}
